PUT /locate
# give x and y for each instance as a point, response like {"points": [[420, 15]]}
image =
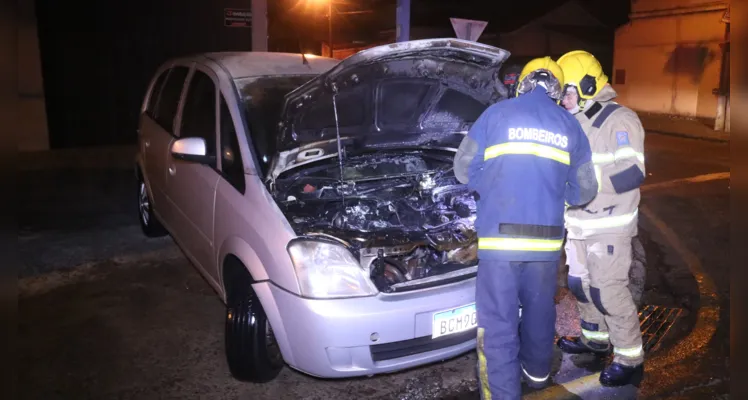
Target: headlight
{"points": [[328, 270]]}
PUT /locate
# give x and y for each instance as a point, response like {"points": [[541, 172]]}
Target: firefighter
{"points": [[524, 157], [598, 248]]}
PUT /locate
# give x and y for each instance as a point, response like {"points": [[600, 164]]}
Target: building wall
{"points": [[537, 42], [32, 132], [670, 64], [526, 43], [567, 27], [638, 6]]}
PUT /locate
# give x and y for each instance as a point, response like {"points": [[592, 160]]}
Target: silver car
{"points": [[317, 198]]}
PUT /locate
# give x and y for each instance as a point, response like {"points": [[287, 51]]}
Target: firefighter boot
{"points": [[575, 345], [535, 382], [617, 374]]}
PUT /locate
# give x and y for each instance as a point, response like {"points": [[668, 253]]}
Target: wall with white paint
{"points": [[670, 63]]}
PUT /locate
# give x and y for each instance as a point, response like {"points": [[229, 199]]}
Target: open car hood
{"points": [[416, 93]]}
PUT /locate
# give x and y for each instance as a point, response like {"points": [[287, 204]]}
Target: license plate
{"points": [[453, 321]]}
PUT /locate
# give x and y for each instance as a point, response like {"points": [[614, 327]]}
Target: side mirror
{"points": [[192, 149]]}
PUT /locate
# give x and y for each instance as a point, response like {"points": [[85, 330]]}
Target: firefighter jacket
{"points": [[617, 140], [525, 157]]}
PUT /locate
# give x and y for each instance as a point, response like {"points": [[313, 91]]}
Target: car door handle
{"points": [[172, 169]]}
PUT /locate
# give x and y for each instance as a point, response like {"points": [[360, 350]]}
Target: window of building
{"points": [[620, 77]]}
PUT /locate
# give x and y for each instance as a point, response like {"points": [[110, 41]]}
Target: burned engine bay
{"points": [[404, 215]]}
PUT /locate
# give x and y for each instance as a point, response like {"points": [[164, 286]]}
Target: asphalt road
{"points": [[126, 317]]}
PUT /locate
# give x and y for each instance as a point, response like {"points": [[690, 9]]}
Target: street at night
{"points": [[105, 313], [373, 199]]}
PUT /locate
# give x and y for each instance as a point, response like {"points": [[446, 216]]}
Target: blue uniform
{"points": [[526, 165], [530, 157]]}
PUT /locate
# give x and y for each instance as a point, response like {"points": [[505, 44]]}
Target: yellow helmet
{"points": [[582, 70], [545, 70]]}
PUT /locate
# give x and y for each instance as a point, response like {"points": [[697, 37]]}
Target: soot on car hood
{"points": [[424, 92]]}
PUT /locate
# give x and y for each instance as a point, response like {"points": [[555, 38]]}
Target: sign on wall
{"points": [[237, 17]]}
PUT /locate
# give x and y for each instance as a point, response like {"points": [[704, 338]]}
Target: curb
{"points": [[707, 318], [689, 136], [569, 390], [648, 188]]}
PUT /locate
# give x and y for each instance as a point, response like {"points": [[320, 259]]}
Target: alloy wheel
{"points": [[144, 204]]}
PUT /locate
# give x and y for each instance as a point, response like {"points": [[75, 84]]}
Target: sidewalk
{"points": [[681, 126]]}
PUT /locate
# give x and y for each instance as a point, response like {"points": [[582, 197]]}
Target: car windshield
{"points": [[263, 102]]}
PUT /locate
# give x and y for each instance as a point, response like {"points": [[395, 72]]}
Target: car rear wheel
{"points": [[252, 352], [148, 222]]}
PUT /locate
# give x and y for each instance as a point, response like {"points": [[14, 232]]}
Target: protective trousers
{"points": [[598, 278], [504, 345]]}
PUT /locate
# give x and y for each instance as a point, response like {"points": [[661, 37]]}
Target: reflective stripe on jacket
{"points": [[617, 140], [525, 157]]}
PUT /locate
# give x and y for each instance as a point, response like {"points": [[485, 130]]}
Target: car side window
{"points": [[155, 93], [199, 113], [231, 157], [169, 98]]}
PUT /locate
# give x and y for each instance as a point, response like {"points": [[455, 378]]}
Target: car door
{"points": [[147, 123], [230, 200], [157, 131], [190, 186]]}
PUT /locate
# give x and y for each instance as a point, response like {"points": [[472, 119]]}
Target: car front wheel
{"points": [[252, 352], [148, 222]]}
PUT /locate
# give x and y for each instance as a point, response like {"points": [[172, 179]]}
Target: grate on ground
{"points": [[655, 322]]}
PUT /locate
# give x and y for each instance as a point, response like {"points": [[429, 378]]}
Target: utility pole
{"points": [[329, 26], [259, 25], [723, 92], [402, 18]]}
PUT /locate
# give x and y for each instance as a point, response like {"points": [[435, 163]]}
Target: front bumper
{"points": [[335, 338]]}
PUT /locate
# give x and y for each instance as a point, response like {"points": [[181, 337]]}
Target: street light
{"points": [[329, 19], [329, 4]]}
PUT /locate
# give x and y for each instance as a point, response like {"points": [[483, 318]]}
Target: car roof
{"points": [[255, 63]]}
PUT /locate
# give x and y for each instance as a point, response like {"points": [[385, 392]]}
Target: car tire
{"points": [[638, 271], [252, 353], [149, 223]]}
